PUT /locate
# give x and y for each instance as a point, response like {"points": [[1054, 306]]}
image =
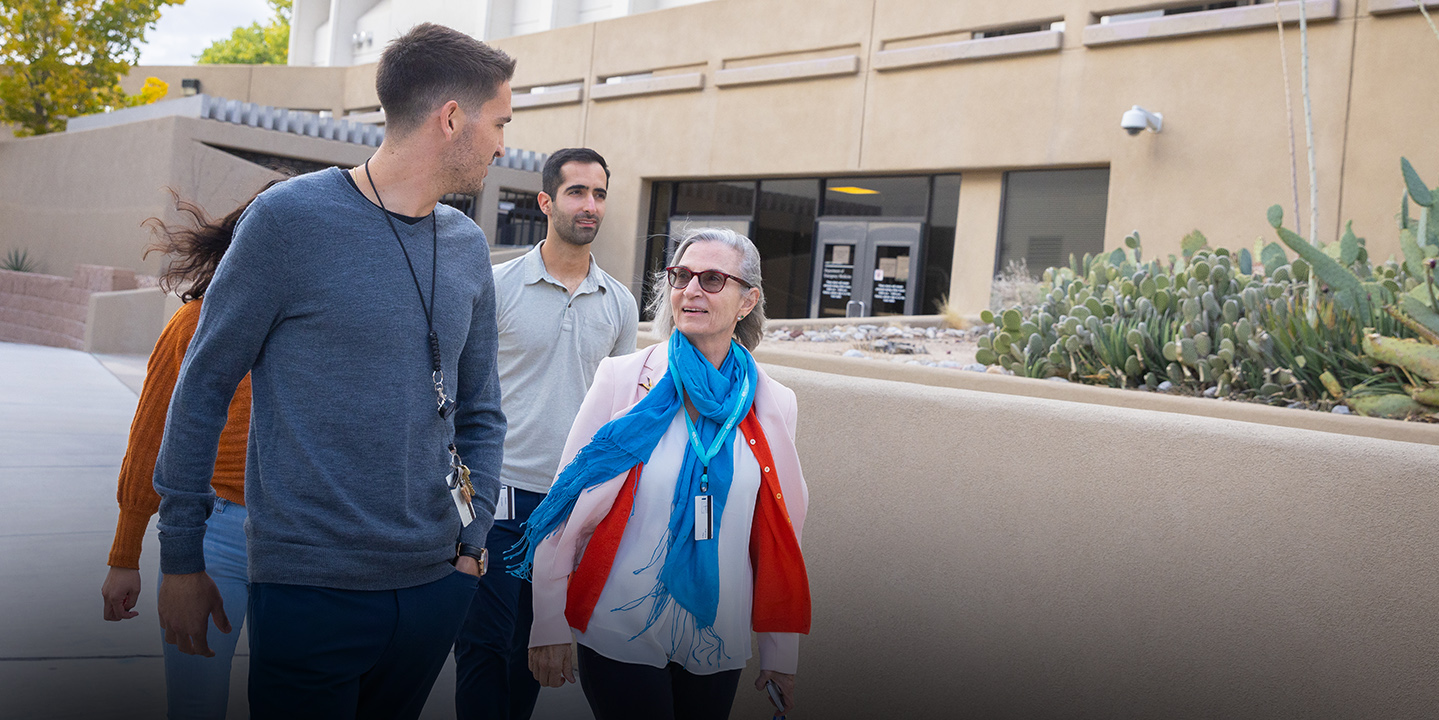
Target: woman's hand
{"points": [[551, 664], [120, 591], [783, 681]]}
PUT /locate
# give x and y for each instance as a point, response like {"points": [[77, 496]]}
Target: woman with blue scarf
{"points": [[672, 530]]}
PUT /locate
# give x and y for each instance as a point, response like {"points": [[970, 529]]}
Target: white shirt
{"points": [[672, 638]]}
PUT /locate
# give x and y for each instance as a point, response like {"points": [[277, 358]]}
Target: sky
{"points": [[185, 30]]}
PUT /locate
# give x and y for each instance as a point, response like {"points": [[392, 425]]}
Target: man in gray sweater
{"points": [[365, 313]]}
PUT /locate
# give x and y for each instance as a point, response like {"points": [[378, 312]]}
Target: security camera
{"points": [[1137, 118]]}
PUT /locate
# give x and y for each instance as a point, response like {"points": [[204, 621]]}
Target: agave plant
{"points": [[19, 260]]}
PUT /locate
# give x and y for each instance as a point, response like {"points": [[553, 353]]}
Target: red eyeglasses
{"points": [[711, 281]]}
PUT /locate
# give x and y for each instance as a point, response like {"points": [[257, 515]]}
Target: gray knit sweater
{"points": [[344, 480]]}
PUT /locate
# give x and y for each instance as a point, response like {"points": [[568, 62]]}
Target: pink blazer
{"points": [[620, 382]]}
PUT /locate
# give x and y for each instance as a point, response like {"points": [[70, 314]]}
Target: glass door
{"points": [[866, 268]]}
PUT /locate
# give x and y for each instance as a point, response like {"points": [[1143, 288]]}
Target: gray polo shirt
{"points": [[550, 344]]}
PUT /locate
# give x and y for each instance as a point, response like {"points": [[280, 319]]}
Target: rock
{"points": [[948, 364], [976, 367], [1057, 378], [1296, 405], [854, 353], [1210, 392], [911, 362], [1165, 386], [866, 328], [1340, 410], [930, 333], [893, 332], [996, 370]]}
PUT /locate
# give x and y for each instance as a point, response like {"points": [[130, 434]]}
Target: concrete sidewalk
{"points": [[64, 419]]}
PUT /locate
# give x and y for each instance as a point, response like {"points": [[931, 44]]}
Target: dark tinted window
{"points": [[784, 234], [1050, 215], [714, 198], [655, 241], [939, 243], [877, 196]]}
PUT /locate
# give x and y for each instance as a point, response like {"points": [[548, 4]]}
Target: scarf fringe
{"points": [[627, 441]]}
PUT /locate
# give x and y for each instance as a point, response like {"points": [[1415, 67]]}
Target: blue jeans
{"points": [[325, 654], [197, 686], [492, 668]]}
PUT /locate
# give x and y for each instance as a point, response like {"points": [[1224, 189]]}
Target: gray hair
{"points": [[750, 329]]}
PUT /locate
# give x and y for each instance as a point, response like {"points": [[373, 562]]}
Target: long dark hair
{"points": [[194, 248]]}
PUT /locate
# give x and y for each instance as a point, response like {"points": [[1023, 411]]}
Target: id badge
{"points": [[462, 497], [505, 505], [704, 517]]}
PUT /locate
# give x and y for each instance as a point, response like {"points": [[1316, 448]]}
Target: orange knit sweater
{"points": [[137, 496]]}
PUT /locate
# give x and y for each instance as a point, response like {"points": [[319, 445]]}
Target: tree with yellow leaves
{"points": [[64, 58]]}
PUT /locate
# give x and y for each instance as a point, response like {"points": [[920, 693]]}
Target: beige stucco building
{"points": [[924, 143]]}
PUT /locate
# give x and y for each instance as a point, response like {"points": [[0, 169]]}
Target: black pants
{"points": [[625, 691]]}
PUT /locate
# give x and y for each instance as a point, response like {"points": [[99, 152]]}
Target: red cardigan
{"points": [[781, 600]]}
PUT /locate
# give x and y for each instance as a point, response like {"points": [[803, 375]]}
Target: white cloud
{"points": [[185, 30]]}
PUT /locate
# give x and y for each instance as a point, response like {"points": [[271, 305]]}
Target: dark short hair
{"points": [[431, 65], [552, 174]]}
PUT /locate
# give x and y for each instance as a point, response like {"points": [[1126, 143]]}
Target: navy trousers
{"points": [[492, 669], [319, 653]]}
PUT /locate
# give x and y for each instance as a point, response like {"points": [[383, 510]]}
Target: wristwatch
{"points": [[481, 555]]}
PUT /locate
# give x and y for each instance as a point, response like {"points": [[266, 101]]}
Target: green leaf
{"points": [[254, 44], [66, 59], [1276, 216], [1415, 184], [1193, 243], [1413, 255], [1419, 309], [1273, 258], [1331, 273]]}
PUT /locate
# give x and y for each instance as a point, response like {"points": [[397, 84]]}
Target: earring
{"points": [[739, 318]]}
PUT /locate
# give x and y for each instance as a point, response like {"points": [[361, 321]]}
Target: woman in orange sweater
{"points": [[196, 687]]}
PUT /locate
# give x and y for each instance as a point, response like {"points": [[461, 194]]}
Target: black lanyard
{"points": [[444, 405]]}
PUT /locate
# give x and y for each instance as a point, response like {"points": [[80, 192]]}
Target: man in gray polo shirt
{"points": [[559, 315]]}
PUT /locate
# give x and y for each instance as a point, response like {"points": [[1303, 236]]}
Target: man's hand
{"points": [[120, 591], [186, 604], [467, 565], [551, 664], [785, 683]]}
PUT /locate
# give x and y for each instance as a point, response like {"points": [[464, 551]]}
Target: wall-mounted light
{"points": [[190, 86], [362, 39], [851, 190], [1137, 118]]}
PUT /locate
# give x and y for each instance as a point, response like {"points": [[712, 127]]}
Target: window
{"points": [[939, 243], [1050, 215], [463, 203], [714, 198], [286, 165], [1181, 10], [784, 234], [782, 216], [1019, 29], [520, 221], [877, 196]]}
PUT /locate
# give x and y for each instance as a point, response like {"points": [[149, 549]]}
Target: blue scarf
{"points": [[690, 574]]}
